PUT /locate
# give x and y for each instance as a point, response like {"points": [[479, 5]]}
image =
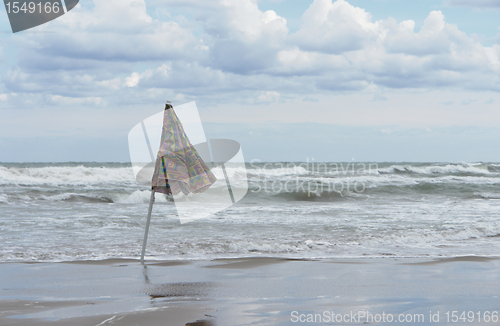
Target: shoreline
{"points": [[188, 260], [240, 291]]}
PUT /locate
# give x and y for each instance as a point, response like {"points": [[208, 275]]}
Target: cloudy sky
{"points": [[363, 80]]}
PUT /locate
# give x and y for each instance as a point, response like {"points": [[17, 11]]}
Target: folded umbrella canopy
{"points": [[178, 167]]}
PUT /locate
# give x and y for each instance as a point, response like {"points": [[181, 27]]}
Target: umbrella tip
{"points": [[168, 105]]}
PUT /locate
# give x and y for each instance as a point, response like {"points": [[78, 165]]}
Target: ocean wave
{"points": [[416, 243], [64, 175], [277, 172], [494, 167], [464, 168], [357, 187], [422, 237], [102, 196], [84, 175], [138, 197], [323, 196], [4, 199], [77, 198], [483, 195]]}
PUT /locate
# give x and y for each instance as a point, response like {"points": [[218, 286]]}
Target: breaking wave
{"points": [[452, 169], [64, 175]]}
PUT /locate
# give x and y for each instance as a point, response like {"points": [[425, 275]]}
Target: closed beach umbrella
{"points": [[178, 167]]}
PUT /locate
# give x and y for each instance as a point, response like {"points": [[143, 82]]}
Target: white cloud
{"points": [[93, 49], [240, 37], [243, 18], [232, 49], [296, 61], [179, 97], [62, 100], [117, 31], [133, 80], [268, 97], [352, 52], [110, 58], [114, 84], [194, 79], [335, 28], [435, 37]]}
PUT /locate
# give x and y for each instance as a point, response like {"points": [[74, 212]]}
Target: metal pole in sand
{"points": [[152, 198], [151, 202]]}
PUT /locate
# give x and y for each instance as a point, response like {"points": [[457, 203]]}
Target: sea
{"points": [[53, 212]]}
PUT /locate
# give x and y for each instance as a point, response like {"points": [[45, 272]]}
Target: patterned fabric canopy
{"points": [[179, 168]]}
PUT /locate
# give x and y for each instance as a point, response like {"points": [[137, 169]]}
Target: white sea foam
{"points": [[138, 197], [4, 199], [82, 175], [438, 169], [65, 175], [277, 171], [485, 195], [407, 210], [413, 244], [58, 197]]}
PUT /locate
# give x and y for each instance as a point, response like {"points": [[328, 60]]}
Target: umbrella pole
{"points": [[151, 201]]}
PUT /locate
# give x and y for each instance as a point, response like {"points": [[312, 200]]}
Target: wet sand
{"points": [[250, 291]]}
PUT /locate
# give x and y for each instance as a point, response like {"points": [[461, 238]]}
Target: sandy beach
{"points": [[252, 291]]}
